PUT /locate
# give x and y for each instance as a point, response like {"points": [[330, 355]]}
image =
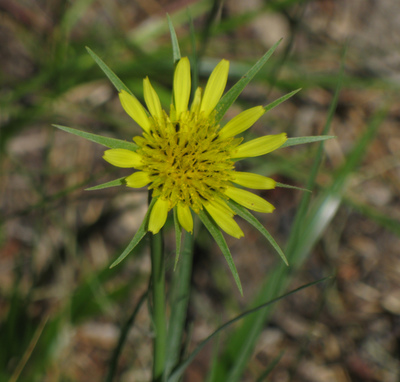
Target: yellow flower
{"points": [[187, 159]]}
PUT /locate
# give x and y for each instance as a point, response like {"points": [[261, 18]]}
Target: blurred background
{"points": [[61, 307]]}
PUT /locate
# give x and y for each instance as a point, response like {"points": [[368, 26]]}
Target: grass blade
{"points": [[112, 143], [139, 235], [303, 140], [27, 354], [325, 207], [195, 60], [380, 218], [112, 183], [242, 342], [176, 52], [229, 98], [122, 338], [119, 85], [181, 368], [282, 185], [248, 216], [270, 367], [280, 100], [219, 238]]}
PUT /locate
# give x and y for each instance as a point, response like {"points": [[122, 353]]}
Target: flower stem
{"points": [[158, 295], [179, 294]]}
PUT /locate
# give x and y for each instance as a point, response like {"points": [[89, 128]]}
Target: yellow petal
{"points": [[260, 146], [122, 158], [241, 122], [135, 110], [158, 215], [152, 100], [250, 180], [249, 200], [215, 87], [224, 220], [195, 107], [221, 204], [182, 85], [185, 217], [138, 179]]}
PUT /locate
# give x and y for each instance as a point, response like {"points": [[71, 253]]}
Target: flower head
{"points": [[187, 159]]}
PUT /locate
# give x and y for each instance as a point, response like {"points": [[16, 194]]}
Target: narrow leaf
{"points": [[302, 140], [214, 360], [246, 215], [280, 100], [112, 143], [112, 183], [176, 52], [195, 60], [219, 238], [181, 368], [229, 98], [377, 216], [119, 85], [282, 185], [139, 235], [122, 339], [270, 367], [242, 343]]}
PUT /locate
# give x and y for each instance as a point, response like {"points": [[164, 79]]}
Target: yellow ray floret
{"points": [[249, 200], [152, 101], [260, 146], [250, 180], [158, 215], [195, 107], [138, 179], [215, 87], [185, 217], [135, 110], [241, 122], [182, 86], [122, 158], [224, 219]]}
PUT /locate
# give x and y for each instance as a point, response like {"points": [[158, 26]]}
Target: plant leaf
{"points": [[247, 215], [112, 183], [119, 85], [181, 368], [280, 100], [176, 52], [270, 367], [218, 237], [282, 185], [112, 143], [302, 140], [229, 98], [139, 235], [195, 60], [242, 343], [122, 339]]}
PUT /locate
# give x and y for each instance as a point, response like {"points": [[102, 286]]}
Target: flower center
{"points": [[186, 159]]}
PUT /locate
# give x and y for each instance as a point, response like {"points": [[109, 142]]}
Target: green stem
{"points": [[180, 292], [158, 295]]}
